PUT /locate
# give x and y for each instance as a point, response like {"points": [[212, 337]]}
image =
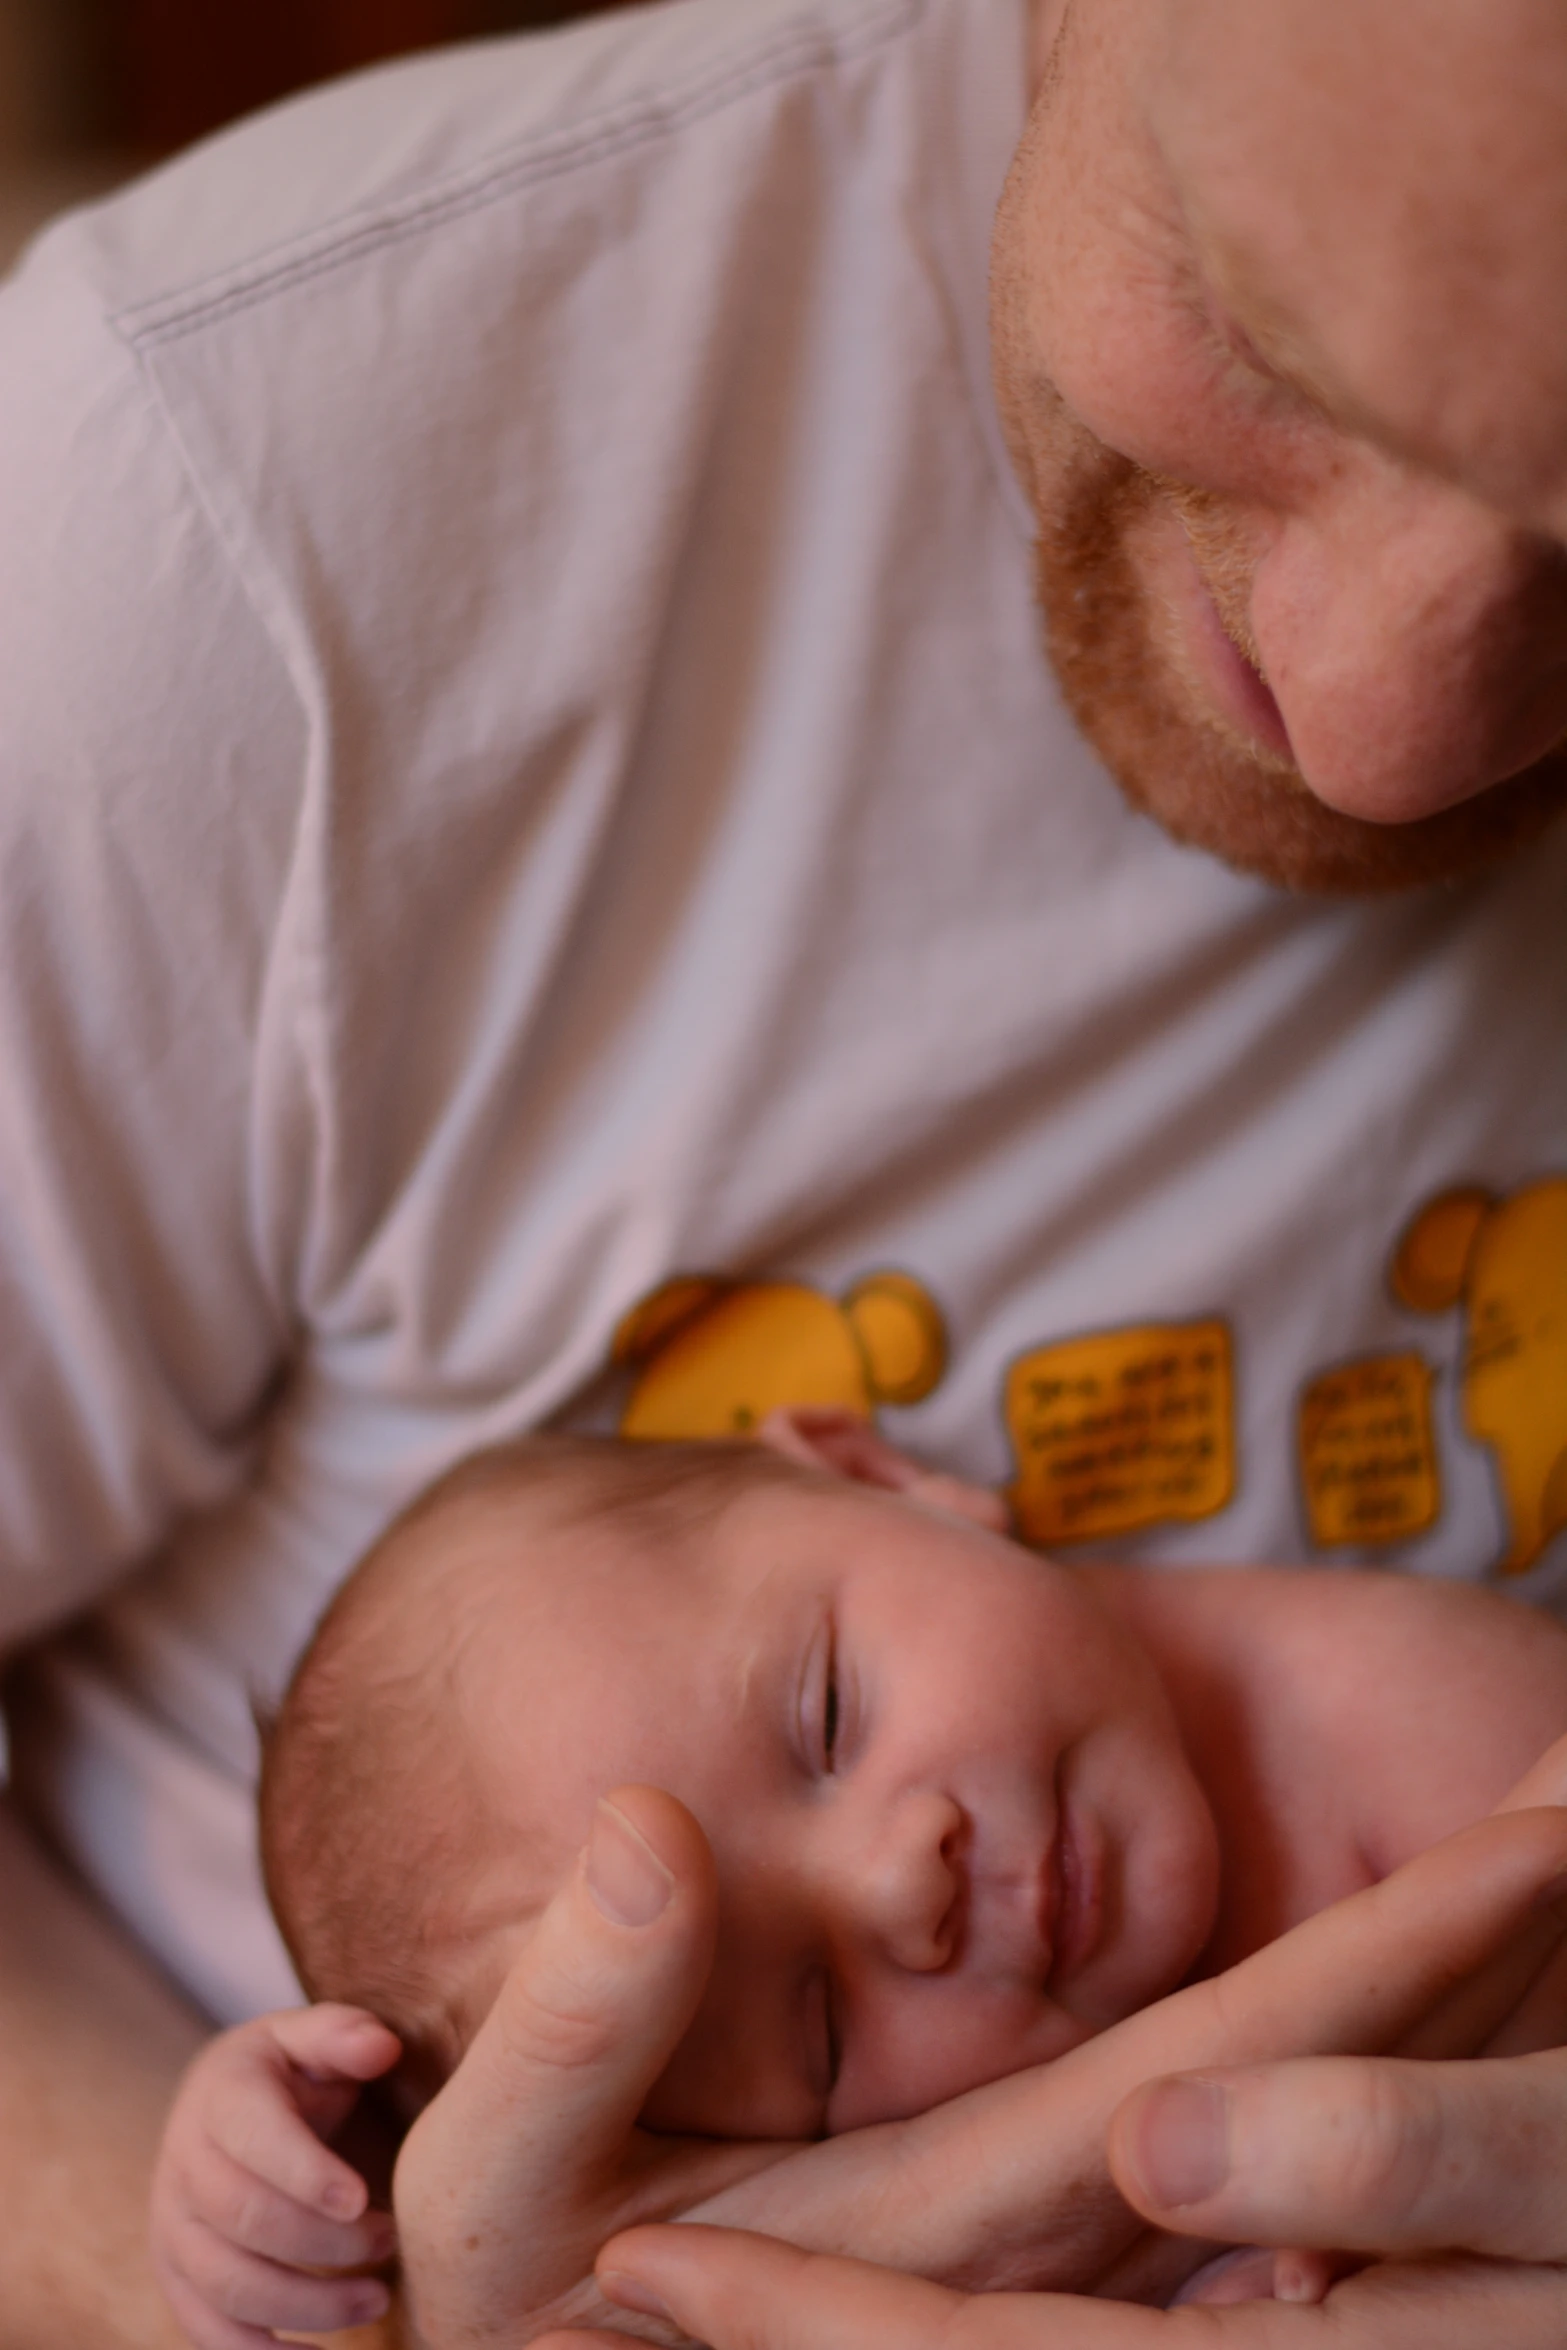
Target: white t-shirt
{"points": [[526, 771]]}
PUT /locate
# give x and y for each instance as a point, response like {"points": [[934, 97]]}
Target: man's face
{"points": [[1309, 617], [954, 1827]]}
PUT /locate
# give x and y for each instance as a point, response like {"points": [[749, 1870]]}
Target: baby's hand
{"points": [[247, 2202]]}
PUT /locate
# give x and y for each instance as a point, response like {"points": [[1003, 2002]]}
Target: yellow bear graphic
{"points": [[713, 1357], [1507, 1261]]}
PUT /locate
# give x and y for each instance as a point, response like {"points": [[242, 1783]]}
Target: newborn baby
{"points": [[967, 1806]]}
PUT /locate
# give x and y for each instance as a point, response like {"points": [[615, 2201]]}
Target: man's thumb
{"points": [[609, 1980], [1356, 2154], [591, 2011]]}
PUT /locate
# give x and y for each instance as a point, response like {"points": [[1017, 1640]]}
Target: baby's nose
{"points": [[903, 1883]]}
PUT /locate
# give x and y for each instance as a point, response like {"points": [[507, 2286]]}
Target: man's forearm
{"points": [[91, 2044]]}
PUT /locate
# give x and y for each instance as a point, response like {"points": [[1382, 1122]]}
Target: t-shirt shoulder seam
{"points": [[799, 48], [218, 530], [233, 554]]}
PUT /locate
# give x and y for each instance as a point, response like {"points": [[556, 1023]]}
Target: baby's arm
{"points": [[247, 2200]]}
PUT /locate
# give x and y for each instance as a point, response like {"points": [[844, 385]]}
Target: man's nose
{"points": [[893, 1879], [1415, 641]]}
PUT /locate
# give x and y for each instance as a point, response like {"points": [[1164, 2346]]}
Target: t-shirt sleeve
{"points": [[151, 758]]}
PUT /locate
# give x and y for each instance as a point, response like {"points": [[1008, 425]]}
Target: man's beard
{"points": [[1112, 649]]}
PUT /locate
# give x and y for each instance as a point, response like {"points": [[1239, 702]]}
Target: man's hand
{"points": [[1361, 2154], [530, 2158], [1010, 2186], [1357, 2155], [738, 2292], [1464, 2164]]}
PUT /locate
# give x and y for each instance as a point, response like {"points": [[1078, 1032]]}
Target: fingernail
{"points": [[365, 2032], [345, 2199], [1298, 2278], [628, 1881], [630, 2293], [1183, 2143], [372, 2303]]}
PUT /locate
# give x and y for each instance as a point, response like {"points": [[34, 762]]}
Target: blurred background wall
{"points": [[91, 88]]}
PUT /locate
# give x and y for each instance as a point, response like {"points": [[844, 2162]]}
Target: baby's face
{"points": [[954, 1827]]}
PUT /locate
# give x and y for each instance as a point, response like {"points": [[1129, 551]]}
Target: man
{"points": [[530, 776]]}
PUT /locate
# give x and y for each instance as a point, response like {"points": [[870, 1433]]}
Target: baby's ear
{"points": [[839, 1442], [844, 1445]]}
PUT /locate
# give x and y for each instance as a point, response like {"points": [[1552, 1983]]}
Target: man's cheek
{"points": [[1133, 371]]}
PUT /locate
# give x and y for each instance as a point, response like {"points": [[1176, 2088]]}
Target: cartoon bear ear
{"points": [[1431, 1261], [902, 1336], [651, 1324]]}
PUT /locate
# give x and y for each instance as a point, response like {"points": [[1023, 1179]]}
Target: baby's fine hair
{"points": [[369, 1801]]}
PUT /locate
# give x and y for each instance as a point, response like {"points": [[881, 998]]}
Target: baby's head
{"points": [[954, 1827]]}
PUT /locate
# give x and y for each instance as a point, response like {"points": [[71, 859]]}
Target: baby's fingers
{"points": [[204, 2328], [235, 2289], [258, 2125], [243, 2208], [334, 2043]]}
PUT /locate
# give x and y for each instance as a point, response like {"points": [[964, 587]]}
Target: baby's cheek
{"points": [[924, 2049], [715, 2087]]}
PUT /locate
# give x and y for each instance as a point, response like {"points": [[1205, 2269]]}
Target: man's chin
{"points": [[1200, 785]]}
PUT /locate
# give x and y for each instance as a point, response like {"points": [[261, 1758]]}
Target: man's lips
{"points": [[1241, 694]]}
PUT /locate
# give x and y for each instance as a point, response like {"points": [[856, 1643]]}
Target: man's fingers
{"points": [[1368, 2155], [596, 2338], [1545, 1782], [1499, 2010], [1363, 1973], [1510, 2006], [1535, 2023], [743, 2292], [740, 2292]]}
